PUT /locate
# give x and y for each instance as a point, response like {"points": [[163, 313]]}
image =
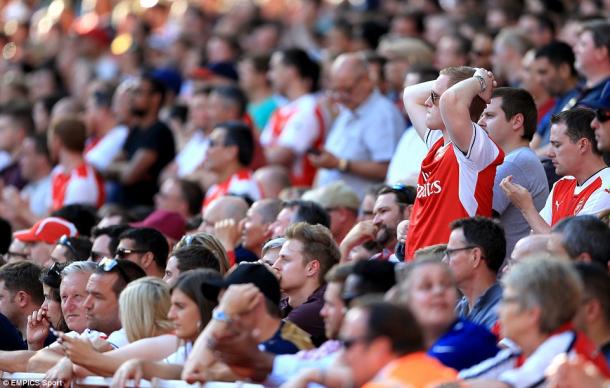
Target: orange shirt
{"points": [[415, 370]]}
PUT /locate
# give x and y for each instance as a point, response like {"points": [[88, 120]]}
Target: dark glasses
{"points": [[349, 342], [122, 253], [602, 115], [108, 265]]}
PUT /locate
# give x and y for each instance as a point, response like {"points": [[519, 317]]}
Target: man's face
{"points": [[73, 292], [387, 217], [255, 231], [585, 52], [548, 76], [291, 266], [100, 248], [281, 223], [602, 134], [198, 111], [171, 271], [333, 310], [556, 247], [16, 251], [7, 304], [128, 250], [8, 134], [141, 98], [169, 197], [433, 113], [29, 159], [216, 155], [101, 304], [494, 122], [279, 74], [564, 153], [357, 355], [459, 261], [59, 254], [349, 89], [39, 252], [366, 208]]}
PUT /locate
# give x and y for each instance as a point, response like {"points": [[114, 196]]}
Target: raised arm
{"points": [[414, 98], [522, 200], [455, 106]]}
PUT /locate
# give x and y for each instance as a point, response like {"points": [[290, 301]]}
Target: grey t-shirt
{"points": [[526, 169]]}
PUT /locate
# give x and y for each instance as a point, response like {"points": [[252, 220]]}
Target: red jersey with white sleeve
{"points": [[240, 183], [299, 125], [451, 185], [80, 185], [568, 199]]}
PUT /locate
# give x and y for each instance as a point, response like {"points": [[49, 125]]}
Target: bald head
{"points": [[222, 208], [350, 63], [273, 179], [531, 245], [351, 84]]}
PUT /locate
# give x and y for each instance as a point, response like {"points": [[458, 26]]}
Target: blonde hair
{"points": [[143, 307], [210, 242]]}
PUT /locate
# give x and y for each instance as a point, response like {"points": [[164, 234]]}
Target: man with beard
{"points": [[393, 205], [148, 148]]}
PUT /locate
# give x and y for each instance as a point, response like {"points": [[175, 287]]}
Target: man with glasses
{"points": [[364, 135], [601, 122], [457, 175], [40, 239], [475, 252], [146, 247]]}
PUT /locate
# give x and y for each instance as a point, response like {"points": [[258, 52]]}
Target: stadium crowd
{"points": [[373, 193]]}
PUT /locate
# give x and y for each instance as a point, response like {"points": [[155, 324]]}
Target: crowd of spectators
{"points": [[366, 193]]}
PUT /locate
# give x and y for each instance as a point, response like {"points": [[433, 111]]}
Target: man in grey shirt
{"points": [[510, 119]]}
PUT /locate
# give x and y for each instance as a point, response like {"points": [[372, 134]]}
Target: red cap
{"points": [[47, 230], [170, 224]]}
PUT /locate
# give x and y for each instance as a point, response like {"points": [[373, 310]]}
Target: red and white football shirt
{"points": [[299, 126], [80, 185], [568, 199], [240, 183], [450, 186]]}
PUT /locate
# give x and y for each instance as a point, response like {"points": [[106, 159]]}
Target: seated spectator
{"points": [[368, 277], [189, 258], [228, 156], [381, 351], [255, 227], [211, 243], [83, 217], [533, 245], [581, 238], [299, 211], [308, 253], [146, 247], [273, 180], [105, 241], [538, 319], [181, 196], [341, 203], [271, 251], [72, 180], [16, 123], [69, 249], [429, 290], [475, 253], [40, 239], [253, 79]]}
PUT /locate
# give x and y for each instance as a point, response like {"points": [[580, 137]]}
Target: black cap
{"points": [[254, 273]]}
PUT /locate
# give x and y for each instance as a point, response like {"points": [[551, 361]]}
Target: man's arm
{"points": [[138, 167], [45, 359], [414, 98], [16, 360], [455, 106], [522, 200], [365, 168]]}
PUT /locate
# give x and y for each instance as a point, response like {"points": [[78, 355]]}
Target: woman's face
{"points": [[432, 296], [52, 307], [171, 271], [515, 320], [184, 313]]}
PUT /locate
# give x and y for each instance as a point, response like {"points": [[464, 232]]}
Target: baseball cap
{"points": [[602, 102], [170, 224], [333, 195], [254, 273], [47, 230]]}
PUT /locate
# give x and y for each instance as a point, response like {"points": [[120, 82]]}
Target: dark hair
{"points": [[190, 284], [543, 20], [463, 44], [600, 30], [515, 101], [20, 113], [417, 17], [195, 256], [112, 231], [374, 277], [260, 62], [585, 234], [309, 212], [72, 133], [239, 134], [52, 279], [425, 72], [304, 65], [578, 125], [192, 194], [82, 216], [394, 322], [126, 271], [149, 240], [156, 86], [78, 248], [41, 146], [23, 276], [179, 112], [486, 234], [102, 94], [234, 95], [6, 231], [558, 53], [596, 281], [405, 195]]}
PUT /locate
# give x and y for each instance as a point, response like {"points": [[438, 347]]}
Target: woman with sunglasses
{"points": [[189, 313], [50, 313]]}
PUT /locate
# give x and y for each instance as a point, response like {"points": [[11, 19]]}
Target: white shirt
{"points": [[193, 154], [107, 148], [406, 162]]}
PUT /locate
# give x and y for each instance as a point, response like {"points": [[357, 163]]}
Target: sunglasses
{"points": [[64, 240], [54, 274], [602, 115], [108, 265], [434, 97], [122, 253]]}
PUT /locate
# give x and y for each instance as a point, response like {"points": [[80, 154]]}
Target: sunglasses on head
{"points": [[107, 265], [64, 240]]}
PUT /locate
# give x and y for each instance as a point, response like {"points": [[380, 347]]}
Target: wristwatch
{"points": [[343, 165], [482, 82], [219, 315]]}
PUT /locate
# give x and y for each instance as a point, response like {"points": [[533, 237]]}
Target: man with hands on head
{"points": [[457, 174]]}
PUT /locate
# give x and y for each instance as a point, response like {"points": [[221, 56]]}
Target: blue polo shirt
{"points": [[484, 312]]}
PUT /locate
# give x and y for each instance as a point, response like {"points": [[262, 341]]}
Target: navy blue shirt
{"points": [[10, 338]]}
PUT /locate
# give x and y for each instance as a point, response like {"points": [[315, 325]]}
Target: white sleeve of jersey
{"points": [[481, 152]]}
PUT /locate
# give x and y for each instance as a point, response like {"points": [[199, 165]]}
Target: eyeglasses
{"points": [[64, 240], [434, 97], [122, 253], [350, 342], [449, 252], [602, 115], [107, 265]]}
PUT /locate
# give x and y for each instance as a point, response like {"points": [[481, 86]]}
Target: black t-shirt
{"points": [[10, 339], [159, 138]]}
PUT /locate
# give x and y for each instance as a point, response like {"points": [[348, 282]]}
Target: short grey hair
{"points": [[550, 284], [273, 244], [79, 267]]}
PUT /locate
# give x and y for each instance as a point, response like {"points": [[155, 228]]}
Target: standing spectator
{"points": [[298, 126], [457, 174], [575, 156], [41, 238], [452, 51], [73, 181], [16, 124], [180, 196], [253, 79], [255, 227], [510, 46], [353, 152], [539, 27], [510, 120], [601, 122], [592, 53], [581, 238]]}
